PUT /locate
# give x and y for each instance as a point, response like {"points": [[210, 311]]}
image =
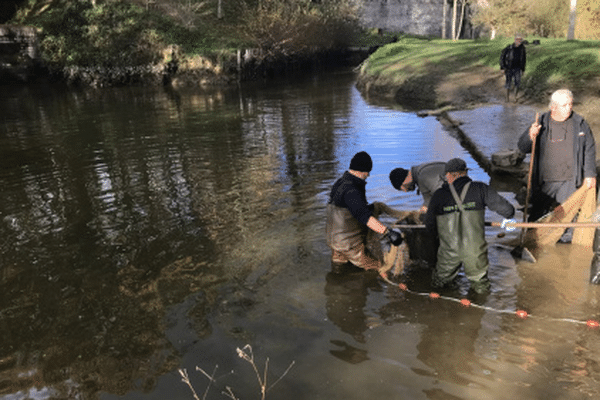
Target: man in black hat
{"points": [[349, 217], [456, 217], [426, 178]]}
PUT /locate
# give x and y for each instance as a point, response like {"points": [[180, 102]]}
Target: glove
{"points": [[506, 222], [395, 237]]}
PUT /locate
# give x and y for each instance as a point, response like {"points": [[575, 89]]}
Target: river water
{"points": [[146, 231]]}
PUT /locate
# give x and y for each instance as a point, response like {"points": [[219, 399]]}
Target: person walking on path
{"points": [[349, 217], [426, 178], [512, 61], [565, 154], [456, 217]]}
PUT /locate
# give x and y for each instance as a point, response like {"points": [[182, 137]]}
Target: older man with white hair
{"points": [[565, 154]]}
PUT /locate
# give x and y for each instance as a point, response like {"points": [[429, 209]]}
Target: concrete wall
{"points": [[420, 17]]}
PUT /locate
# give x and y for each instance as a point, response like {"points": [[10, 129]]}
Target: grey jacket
{"points": [[428, 177]]}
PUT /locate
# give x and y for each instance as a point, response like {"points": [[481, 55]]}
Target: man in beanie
{"points": [[426, 178], [349, 217], [456, 217]]}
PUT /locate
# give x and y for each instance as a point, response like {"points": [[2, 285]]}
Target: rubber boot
{"points": [[507, 95]]}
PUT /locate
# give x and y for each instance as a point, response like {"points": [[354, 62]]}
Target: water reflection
{"points": [[117, 204], [346, 299]]}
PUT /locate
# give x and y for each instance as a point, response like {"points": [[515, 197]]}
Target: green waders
{"points": [[462, 240]]}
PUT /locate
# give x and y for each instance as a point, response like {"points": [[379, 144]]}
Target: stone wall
{"points": [[419, 17], [18, 52]]}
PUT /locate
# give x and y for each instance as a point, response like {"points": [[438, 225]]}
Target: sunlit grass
{"points": [[553, 62]]}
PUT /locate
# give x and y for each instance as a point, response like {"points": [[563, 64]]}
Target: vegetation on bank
{"points": [[147, 36], [419, 65], [124, 40]]}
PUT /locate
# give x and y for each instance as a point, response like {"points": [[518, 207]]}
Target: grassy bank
{"points": [[418, 68], [436, 74]]}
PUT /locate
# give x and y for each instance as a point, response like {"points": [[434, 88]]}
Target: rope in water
{"points": [[467, 303]]}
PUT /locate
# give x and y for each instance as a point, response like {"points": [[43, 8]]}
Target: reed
{"points": [[246, 354]]}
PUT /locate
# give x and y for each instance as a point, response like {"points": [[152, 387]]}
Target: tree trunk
{"points": [[462, 18], [444, 18], [572, 19], [454, 20]]}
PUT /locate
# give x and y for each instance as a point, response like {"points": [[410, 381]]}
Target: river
{"points": [[150, 231]]}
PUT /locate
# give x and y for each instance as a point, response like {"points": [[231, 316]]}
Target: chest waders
{"points": [[462, 240], [343, 231]]}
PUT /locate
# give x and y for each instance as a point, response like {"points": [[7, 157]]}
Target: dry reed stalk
{"points": [[246, 354]]}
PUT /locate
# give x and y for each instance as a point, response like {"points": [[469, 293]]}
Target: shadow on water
{"points": [[145, 231]]}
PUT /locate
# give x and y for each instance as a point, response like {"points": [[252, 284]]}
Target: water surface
{"points": [[150, 230]]}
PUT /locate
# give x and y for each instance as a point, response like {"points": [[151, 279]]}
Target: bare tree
{"points": [[457, 29], [572, 20], [444, 17], [462, 18], [454, 19]]}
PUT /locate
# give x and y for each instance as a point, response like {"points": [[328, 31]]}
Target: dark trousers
{"points": [[549, 196], [512, 76]]}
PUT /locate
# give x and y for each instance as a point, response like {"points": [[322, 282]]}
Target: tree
{"points": [[572, 19], [503, 17], [588, 20], [444, 18], [454, 19], [456, 24]]}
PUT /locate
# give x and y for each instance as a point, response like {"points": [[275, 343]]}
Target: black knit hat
{"points": [[361, 162], [397, 177], [456, 165]]}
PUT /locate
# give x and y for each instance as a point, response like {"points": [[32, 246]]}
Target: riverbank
{"points": [[435, 77], [115, 42]]}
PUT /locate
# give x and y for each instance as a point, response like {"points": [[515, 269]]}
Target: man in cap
{"points": [[426, 178], [349, 217], [512, 61], [456, 216]]}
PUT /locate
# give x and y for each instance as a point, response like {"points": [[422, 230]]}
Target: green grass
{"points": [[554, 62]]}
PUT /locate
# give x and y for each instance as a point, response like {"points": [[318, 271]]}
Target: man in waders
{"points": [[349, 217], [456, 216], [426, 178]]}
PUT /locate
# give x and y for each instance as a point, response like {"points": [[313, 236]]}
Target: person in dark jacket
{"points": [[565, 154], [426, 178], [349, 217], [512, 61], [456, 217]]}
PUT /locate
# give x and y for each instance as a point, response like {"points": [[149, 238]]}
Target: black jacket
{"points": [[347, 213], [478, 197], [513, 57]]}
